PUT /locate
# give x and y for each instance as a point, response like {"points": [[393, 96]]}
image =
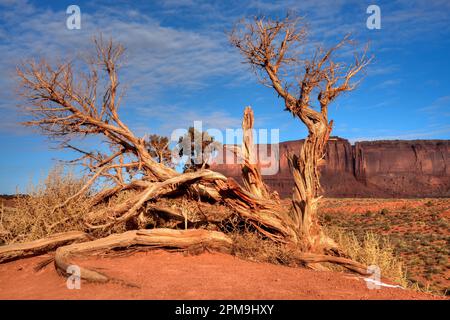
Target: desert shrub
{"points": [[429, 203], [328, 218], [33, 217], [251, 246], [384, 211], [368, 213], [371, 250]]}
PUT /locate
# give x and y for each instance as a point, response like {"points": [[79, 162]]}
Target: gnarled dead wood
{"points": [[169, 213], [271, 47], [194, 240], [105, 194], [41, 246], [251, 175], [267, 217], [312, 258], [130, 208], [61, 107]]}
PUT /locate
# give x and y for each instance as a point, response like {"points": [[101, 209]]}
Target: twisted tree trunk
{"points": [[271, 46], [306, 193]]}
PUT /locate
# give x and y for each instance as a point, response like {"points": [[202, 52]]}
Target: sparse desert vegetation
{"points": [[417, 230], [33, 216]]}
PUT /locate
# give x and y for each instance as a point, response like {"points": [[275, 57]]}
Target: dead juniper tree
{"points": [[65, 104], [275, 50]]}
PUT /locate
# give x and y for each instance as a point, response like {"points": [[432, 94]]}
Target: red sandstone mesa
{"points": [[387, 168]]}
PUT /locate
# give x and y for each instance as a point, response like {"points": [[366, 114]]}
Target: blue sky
{"points": [[180, 68]]}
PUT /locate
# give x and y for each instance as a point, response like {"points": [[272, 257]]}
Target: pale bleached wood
{"points": [[251, 175], [23, 250], [195, 240]]}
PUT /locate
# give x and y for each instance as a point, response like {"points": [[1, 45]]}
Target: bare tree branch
{"points": [[273, 45]]}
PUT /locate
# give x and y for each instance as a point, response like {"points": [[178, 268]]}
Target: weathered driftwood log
{"points": [[189, 240], [41, 246]]}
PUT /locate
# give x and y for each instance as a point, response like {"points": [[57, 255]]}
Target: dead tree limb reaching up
{"points": [[251, 174], [272, 48], [65, 105]]}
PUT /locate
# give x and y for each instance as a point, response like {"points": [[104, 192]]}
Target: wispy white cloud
{"points": [[389, 83], [161, 56], [440, 106], [167, 118], [175, 56], [157, 58]]}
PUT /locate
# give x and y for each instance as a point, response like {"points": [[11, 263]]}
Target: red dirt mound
{"points": [[164, 275]]}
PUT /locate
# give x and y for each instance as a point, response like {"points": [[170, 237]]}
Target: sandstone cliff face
{"points": [[410, 168], [418, 168]]}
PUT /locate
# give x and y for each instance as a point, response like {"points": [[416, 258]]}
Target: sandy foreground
{"points": [[165, 275]]}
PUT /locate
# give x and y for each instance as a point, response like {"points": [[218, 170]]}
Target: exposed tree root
{"points": [[41, 246], [190, 240], [312, 258]]}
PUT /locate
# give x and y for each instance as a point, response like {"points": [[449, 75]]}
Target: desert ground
{"points": [[166, 275], [417, 229]]}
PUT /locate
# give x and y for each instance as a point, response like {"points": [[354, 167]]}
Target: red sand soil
{"points": [[361, 206], [164, 275]]}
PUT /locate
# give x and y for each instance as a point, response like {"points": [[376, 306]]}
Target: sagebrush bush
{"points": [[33, 216]]}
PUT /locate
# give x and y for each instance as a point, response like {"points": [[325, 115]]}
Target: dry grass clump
{"points": [[251, 246], [372, 250], [33, 216]]}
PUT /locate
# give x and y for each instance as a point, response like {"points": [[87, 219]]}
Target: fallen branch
{"points": [[187, 240], [168, 213], [41, 246]]}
